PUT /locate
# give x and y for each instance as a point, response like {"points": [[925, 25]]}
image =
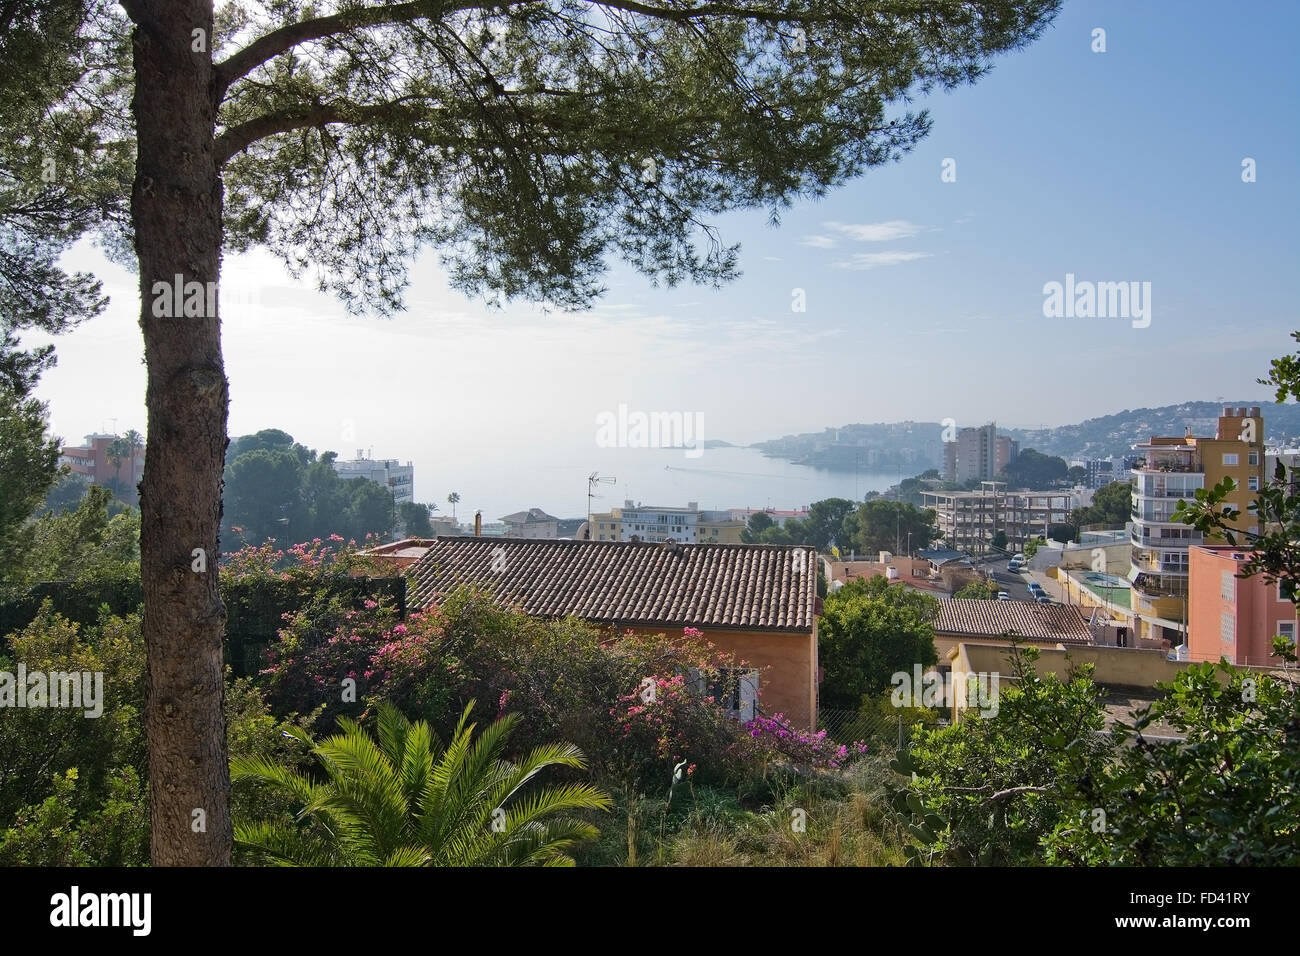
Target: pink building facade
{"points": [[1231, 617]]}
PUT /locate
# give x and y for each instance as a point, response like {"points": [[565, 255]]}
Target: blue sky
{"points": [[1115, 166]]}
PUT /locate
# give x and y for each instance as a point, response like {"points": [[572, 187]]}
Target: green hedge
{"points": [[255, 606], [78, 601], [255, 609]]}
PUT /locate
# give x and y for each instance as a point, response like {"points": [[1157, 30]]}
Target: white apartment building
{"points": [[396, 477], [689, 525]]}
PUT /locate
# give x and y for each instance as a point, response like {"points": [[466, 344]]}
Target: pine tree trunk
{"points": [[176, 208]]}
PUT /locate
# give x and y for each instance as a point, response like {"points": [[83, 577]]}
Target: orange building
{"points": [[1234, 617], [96, 460]]}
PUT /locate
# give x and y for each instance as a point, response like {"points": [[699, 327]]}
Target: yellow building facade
{"points": [[1172, 469]]}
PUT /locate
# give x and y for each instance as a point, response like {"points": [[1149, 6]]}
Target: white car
{"points": [[1004, 596]]}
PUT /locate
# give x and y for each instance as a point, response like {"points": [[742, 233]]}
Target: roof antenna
{"points": [[593, 480]]}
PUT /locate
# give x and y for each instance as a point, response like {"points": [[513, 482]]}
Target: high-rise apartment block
{"points": [[978, 454], [1172, 469]]}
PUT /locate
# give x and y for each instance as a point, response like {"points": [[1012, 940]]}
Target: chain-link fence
{"points": [[887, 731], [846, 726]]}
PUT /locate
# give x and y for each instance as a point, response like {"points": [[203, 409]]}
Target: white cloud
{"points": [[876, 231], [873, 260], [817, 242]]}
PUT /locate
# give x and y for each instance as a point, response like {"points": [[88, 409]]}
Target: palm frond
{"points": [[404, 799]]}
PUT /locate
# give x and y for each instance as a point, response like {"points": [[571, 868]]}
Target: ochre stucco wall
{"points": [[787, 661]]}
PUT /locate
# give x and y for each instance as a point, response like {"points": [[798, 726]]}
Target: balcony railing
{"points": [[1156, 562], [1166, 493], [1152, 585], [1151, 541], [1162, 517], [1174, 467]]}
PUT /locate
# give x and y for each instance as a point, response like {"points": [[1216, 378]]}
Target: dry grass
{"points": [[836, 820]]}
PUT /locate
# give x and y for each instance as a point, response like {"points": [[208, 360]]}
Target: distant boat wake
{"points": [[738, 474]]}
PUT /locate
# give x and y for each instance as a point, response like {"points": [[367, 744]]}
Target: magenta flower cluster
{"points": [[812, 749]]}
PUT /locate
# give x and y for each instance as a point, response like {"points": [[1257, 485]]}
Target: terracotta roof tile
{"points": [[1058, 623], [630, 583]]}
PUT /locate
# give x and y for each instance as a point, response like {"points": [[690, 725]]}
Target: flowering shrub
{"points": [[661, 724], [777, 738], [306, 560], [565, 680], [304, 671]]}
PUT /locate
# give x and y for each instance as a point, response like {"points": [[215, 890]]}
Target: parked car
{"points": [[1004, 596], [1044, 599]]}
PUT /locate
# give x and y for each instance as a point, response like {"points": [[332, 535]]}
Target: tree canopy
{"points": [[869, 630], [1032, 470], [278, 488], [1111, 506], [29, 462], [63, 169], [880, 525]]}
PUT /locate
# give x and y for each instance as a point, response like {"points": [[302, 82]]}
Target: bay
{"points": [[511, 478]]}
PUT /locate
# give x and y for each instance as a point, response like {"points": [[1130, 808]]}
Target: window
{"points": [[1230, 459], [1253, 458], [1253, 483], [734, 688], [1287, 629], [1227, 628], [1227, 586]]}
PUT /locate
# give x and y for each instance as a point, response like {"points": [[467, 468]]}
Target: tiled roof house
{"points": [[982, 621], [756, 601]]}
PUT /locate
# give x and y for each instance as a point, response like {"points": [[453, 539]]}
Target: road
{"points": [[1017, 585]]}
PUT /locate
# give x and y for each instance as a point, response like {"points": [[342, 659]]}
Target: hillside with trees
{"points": [[915, 446]]}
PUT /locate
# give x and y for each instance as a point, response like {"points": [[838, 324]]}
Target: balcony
{"points": [[1159, 562], [1168, 467], [1153, 541], [1154, 586], [1189, 494], [1153, 516]]}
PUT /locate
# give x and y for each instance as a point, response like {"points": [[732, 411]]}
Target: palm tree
{"points": [[406, 800], [116, 452], [453, 499], [134, 442]]}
